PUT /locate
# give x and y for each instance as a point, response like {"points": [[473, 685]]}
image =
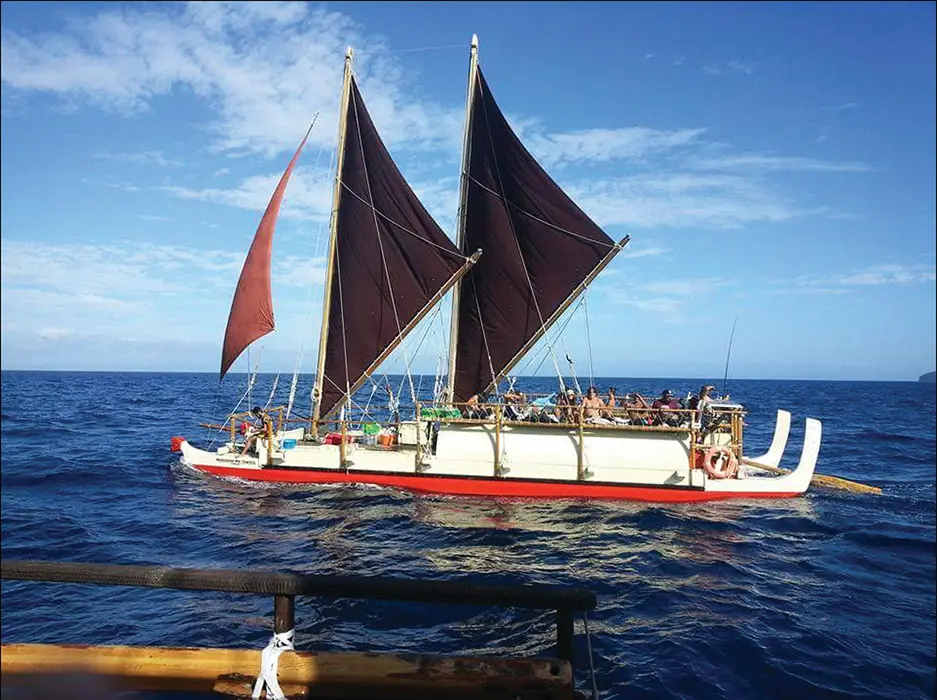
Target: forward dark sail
{"points": [[392, 261], [251, 314], [540, 249]]}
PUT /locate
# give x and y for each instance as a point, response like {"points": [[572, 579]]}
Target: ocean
{"points": [[831, 595]]}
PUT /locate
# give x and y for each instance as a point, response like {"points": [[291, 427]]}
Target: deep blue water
{"points": [[827, 596]]}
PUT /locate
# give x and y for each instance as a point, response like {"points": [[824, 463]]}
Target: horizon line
{"points": [[417, 374]]}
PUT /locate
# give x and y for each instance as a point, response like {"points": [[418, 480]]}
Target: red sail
{"points": [[539, 248], [252, 307]]}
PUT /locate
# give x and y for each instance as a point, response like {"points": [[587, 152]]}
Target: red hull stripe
{"points": [[468, 486]]}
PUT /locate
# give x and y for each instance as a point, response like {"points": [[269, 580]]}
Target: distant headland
{"points": [[929, 377]]}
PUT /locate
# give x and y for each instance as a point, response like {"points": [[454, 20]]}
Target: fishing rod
{"points": [[725, 377]]}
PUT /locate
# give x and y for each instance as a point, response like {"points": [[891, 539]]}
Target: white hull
{"points": [[533, 460]]}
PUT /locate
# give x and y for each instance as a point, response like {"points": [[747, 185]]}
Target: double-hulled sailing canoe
{"points": [[524, 253]]}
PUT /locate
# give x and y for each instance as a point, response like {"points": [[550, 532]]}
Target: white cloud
{"points": [[266, 69], [684, 200], [890, 274], [647, 252], [842, 107], [730, 67], [607, 144], [133, 288], [309, 194], [154, 217], [53, 334], [844, 283], [756, 161], [153, 157], [264, 87]]}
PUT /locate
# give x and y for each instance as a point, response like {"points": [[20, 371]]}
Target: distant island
{"points": [[929, 377]]}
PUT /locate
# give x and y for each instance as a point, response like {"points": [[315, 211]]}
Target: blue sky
{"points": [[774, 162]]}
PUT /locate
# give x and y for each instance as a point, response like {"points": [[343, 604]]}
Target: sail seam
{"points": [[491, 367], [400, 226], [538, 219]]}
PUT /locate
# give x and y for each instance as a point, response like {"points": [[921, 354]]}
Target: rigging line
{"points": [[403, 228], [307, 320], [520, 254], [409, 361], [273, 391], [585, 308], [380, 242], [725, 377], [491, 367], [558, 333], [539, 220], [414, 50], [227, 418]]}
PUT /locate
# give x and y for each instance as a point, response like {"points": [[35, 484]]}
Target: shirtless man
{"points": [[592, 405]]}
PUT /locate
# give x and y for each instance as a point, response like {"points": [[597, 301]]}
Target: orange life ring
{"points": [[720, 454]]}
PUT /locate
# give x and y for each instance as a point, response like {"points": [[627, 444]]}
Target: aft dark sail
{"points": [[392, 262], [540, 248]]}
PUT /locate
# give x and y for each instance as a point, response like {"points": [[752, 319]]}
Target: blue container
{"points": [[289, 444]]}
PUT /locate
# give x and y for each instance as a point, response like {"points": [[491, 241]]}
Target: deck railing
{"points": [[499, 415], [285, 587]]}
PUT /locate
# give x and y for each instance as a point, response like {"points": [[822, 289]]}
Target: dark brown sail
{"points": [[539, 249], [251, 314], [392, 260]]}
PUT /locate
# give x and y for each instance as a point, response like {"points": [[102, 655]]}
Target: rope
{"points": [[273, 391], [491, 367], [557, 333], [403, 228], [422, 48], [538, 219], [585, 310], [235, 410], [595, 689], [269, 659]]}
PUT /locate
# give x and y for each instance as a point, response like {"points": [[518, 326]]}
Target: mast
{"points": [[463, 195], [333, 229]]}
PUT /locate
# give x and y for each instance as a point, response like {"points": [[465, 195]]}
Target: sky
{"points": [[773, 163]]}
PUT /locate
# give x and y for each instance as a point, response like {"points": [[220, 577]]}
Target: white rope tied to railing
{"points": [[269, 659], [595, 687]]}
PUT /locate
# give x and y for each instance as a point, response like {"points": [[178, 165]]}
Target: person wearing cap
{"points": [[565, 406], [664, 404], [666, 400]]}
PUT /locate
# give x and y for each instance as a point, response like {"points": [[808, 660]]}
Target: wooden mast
{"points": [[333, 229], [463, 197]]}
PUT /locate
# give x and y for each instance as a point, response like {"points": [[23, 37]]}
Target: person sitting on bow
{"points": [[263, 428]]}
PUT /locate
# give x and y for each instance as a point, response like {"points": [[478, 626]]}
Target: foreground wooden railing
{"points": [[232, 671]]}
